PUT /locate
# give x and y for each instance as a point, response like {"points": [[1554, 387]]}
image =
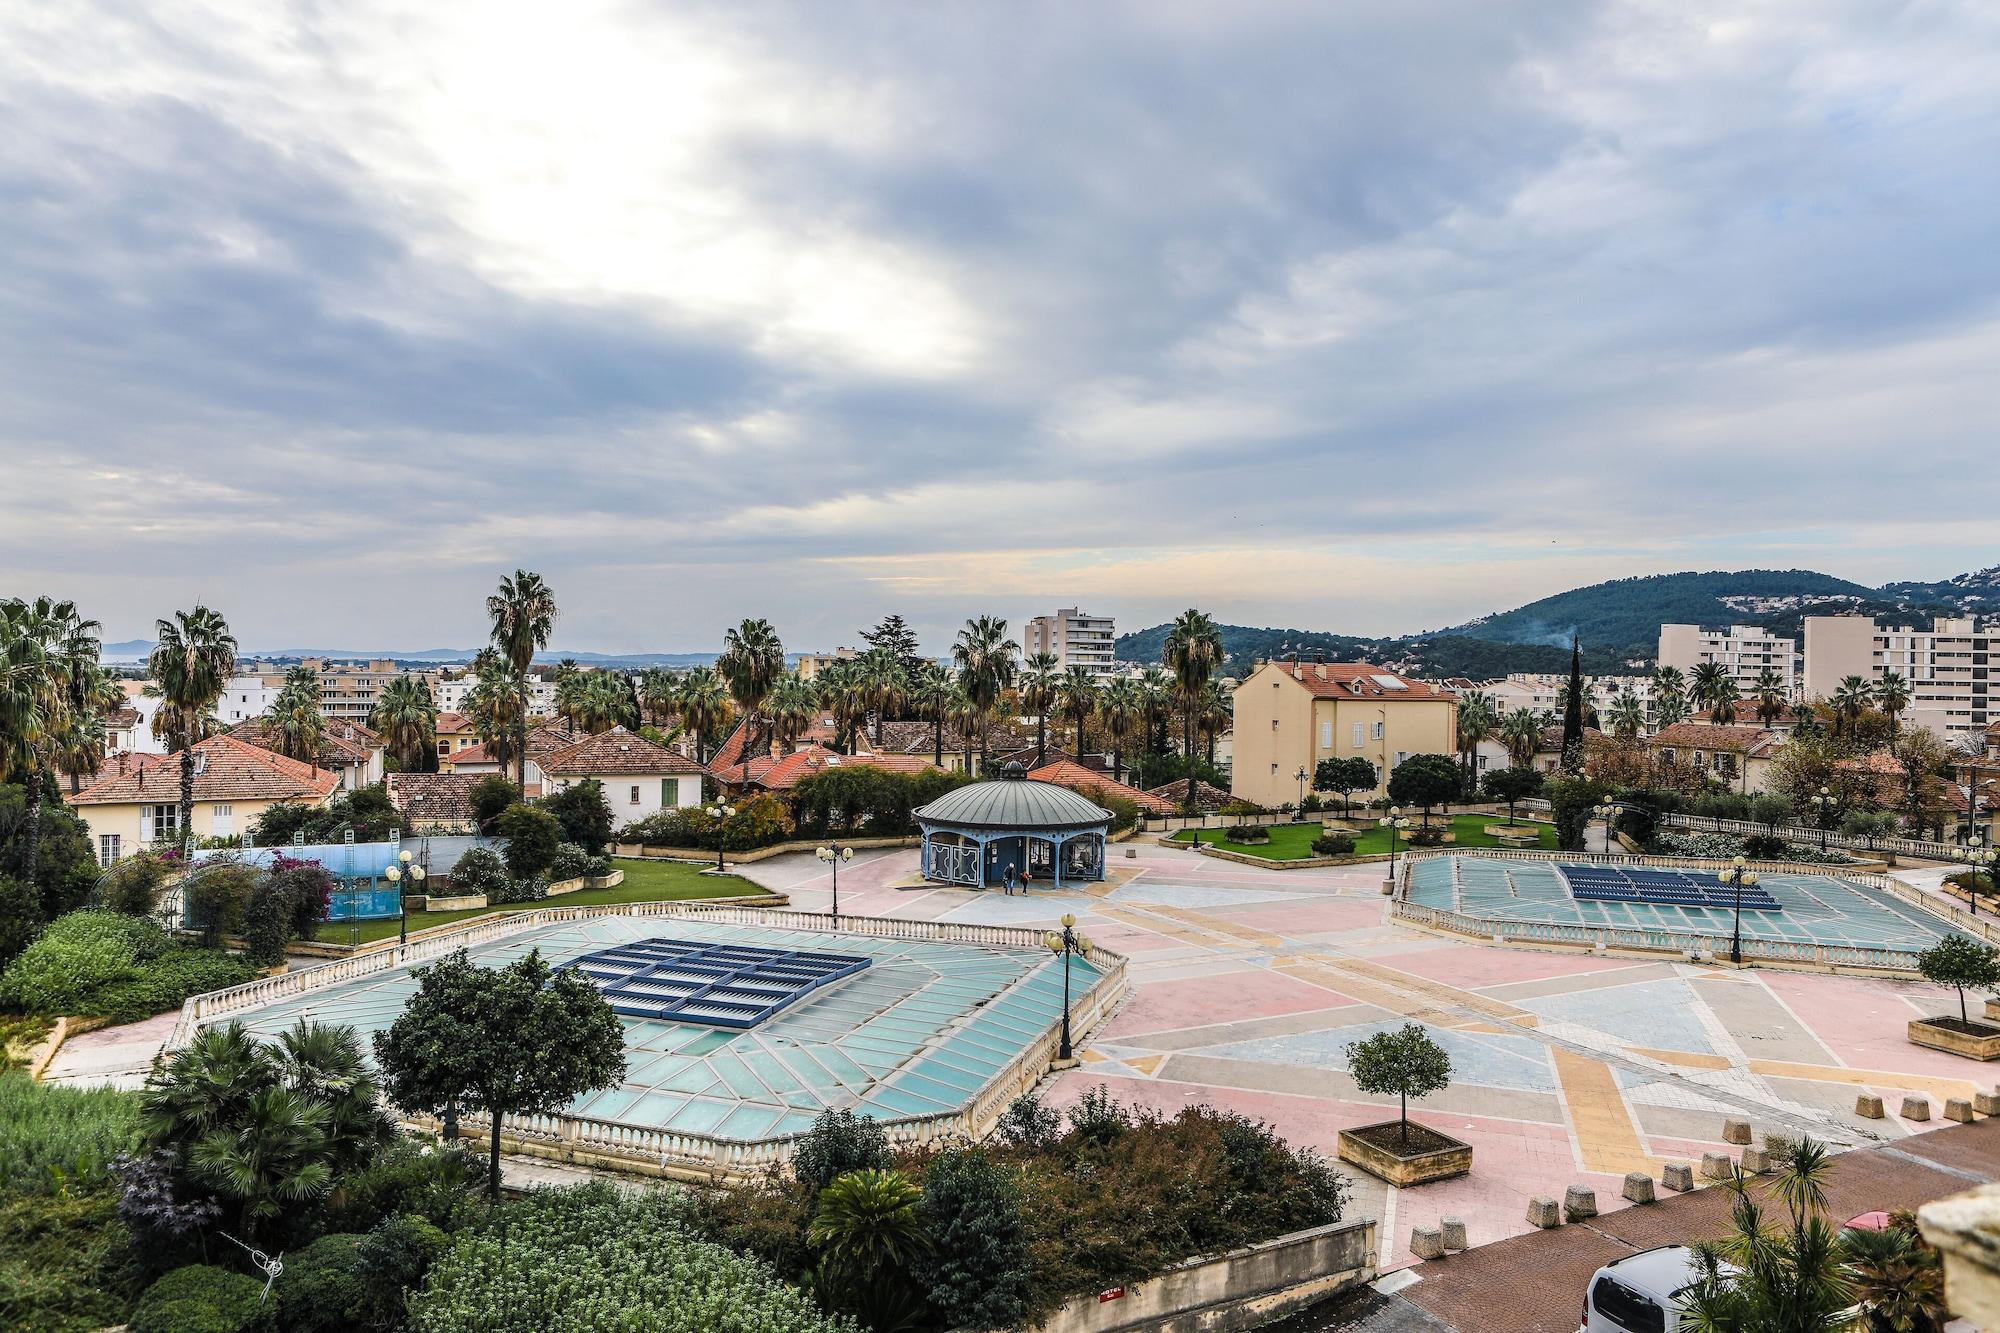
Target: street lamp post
{"points": [[1981, 860], [720, 812], [1068, 944], [1823, 802], [1608, 812], [1738, 876], [833, 854], [1301, 776], [1395, 822], [397, 875]]}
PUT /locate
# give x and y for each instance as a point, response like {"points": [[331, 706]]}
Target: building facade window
{"points": [[222, 820], [1376, 733], [107, 848], [159, 821], [633, 799]]}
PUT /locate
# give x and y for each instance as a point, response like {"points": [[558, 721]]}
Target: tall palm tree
{"points": [[1193, 653], [1157, 691], [884, 683], [522, 612], [967, 718], [495, 706], [1121, 710], [932, 694], [1669, 696], [406, 715], [78, 746], [1077, 694], [1892, 696], [193, 656], [986, 667], [1703, 682], [50, 692], [293, 724], [703, 702], [1521, 730], [792, 705], [1722, 697], [1039, 678], [1216, 714], [659, 695], [1627, 717], [1850, 699], [844, 690], [1477, 718], [753, 657], [571, 688]]}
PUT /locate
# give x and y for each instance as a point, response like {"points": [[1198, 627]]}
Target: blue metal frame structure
{"points": [[723, 985], [1661, 888], [965, 861]]}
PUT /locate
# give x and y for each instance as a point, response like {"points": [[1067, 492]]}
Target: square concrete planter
{"points": [[1430, 1155], [1974, 1040], [1993, 1010]]}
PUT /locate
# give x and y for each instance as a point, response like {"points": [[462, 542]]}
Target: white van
{"points": [[1641, 1293]]}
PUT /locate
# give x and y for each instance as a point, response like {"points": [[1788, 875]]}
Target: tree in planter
{"points": [[508, 1041], [532, 835], [1961, 962], [1345, 776], [1406, 1062], [1512, 785], [1426, 780]]}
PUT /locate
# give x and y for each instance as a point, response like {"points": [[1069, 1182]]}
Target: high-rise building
{"points": [[1073, 637], [1745, 651], [1945, 666]]}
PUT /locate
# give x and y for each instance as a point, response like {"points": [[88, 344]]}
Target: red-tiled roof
{"points": [[1708, 736], [1069, 773], [452, 724], [1205, 796], [616, 752], [1359, 680], [227, 769], [434, 799], [335, 751], [117, 764], [786, 772]]}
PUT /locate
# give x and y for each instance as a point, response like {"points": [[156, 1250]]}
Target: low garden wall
{"points": [[646, 853], [1276, 863], [1238, 1290]]}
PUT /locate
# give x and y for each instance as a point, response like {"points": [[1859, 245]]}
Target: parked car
{"points": [[1641, 1293]]}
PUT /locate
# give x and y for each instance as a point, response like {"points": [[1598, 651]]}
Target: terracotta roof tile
{"points": [[617, 751], [434, 799], [1751, 741], [1068, 773], [1359, 680], [228, 769]]}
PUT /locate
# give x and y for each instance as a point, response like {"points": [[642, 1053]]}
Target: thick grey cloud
{"points": [[1364, 316]]}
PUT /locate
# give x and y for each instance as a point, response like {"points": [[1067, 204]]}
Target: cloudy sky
{"points": [[1367, 317]]}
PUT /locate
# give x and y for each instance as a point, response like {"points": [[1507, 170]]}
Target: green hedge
{"points": [[102, 964], [202, 1299], [54, 1138]]}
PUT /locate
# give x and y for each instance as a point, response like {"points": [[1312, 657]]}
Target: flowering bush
{"points": [[478, 871], [1723, 847], [572, 862]]}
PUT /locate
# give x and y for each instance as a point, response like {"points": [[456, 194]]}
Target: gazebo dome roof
{"points": [[1013, 803]]}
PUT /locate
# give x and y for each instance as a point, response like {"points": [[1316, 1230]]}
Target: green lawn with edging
{"points": [[1293, 842], [645, 882]]}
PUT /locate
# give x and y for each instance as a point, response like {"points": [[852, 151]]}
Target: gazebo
{"points": [[973, 834]]}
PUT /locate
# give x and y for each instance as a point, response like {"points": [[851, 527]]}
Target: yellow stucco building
{"points": [[129, 809], [1291, 715]]}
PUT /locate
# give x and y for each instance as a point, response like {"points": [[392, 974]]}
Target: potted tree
{"points": [[1408, 1063], [1427, 780], [1962, 963], [1345, 776], [1513, 785]]}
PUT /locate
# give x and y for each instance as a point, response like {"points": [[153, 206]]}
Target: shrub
{"points": [[65, 862], [64, 1263], [1334, 844], [584, 814], [571, 862], [491, 795], [77, 955], [1124, 811], [393, 1260], [975, 1271], [439, 1183], [478, 871], [1245, 834], [1764, 847], [1026, 1123], [839, 1142], [1098, 1118], [1425, 837], [20, 917], [162, 1210], [529, 890], [201, 1299], [532, 836], [323, 1288], [1721, 805], [164, 982], [586, 1259], [1312, 805], [216, 894], [133, 885], [1235, 806], [54, 1138], [599, 868]]}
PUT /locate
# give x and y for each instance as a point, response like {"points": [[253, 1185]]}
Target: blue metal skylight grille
{"points": [[726, 985], [1662, 888]]}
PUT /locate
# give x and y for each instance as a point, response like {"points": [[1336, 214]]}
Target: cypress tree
{"points": [[1572, 742]]}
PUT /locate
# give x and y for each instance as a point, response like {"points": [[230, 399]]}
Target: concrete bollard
{"points": [[1717, 1166], [1639, 1187], [1756, 1161], [1678, 1177], [1869, 1107], [1543, 1213], [1986, 1103], [1959, 1109], [1779, 1143], [1426, 1243], [1736, 1131], [1454, 1232], [1579, 1202], [1916, 1108]]}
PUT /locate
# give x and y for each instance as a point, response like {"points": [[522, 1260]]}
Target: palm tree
{"points": [[1157, 691], [793, 704], [985, 658], [1216, 715], [843, 690], [1669, 696], [1193, 653], [293, 725], [1703, 683], [406, 715], [603, 702], [1850, 700], [205, 1085], [1788, 1280], [571, 687], [868, 1223], [1521, 730], [78, 742], [50, 690], [932, 694], [1477, 719], [1077, 692], [1899, 1276], [495, 706], [1038, 690], [276, 1155], [1628, 716], [1769, 692], [753, 657], [324, 1063], [523, 615], [884, 684], [703, 702], [1722, 701], [1121, 708], [1892, 696], [193, 656], [967, 718], [659, 695]]}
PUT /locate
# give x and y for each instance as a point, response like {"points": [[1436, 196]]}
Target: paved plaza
{"points": [[1247, 983]]}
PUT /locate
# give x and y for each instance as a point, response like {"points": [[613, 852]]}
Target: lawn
{"points": [[1293, 842], [645, 882]]}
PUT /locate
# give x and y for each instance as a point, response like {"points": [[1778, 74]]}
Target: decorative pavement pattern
{"points": [[1247, 984]]}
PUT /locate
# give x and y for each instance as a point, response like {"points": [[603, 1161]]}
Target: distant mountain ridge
{"points": [[1617, 621], [137, 650]]}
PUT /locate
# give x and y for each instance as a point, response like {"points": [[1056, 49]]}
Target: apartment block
{"points": [[450, 691], [1291, 715], [1745, 651], [1073, 637], [1543, 693], [811, 664], [1947, 666]]}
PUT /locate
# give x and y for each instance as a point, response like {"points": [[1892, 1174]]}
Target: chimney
{"points": [[1320, 668]]}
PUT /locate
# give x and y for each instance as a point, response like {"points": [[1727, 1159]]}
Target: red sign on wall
{"points": [[1115, 1293]]}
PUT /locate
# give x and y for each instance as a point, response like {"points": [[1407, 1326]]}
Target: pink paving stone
{"points": [[1230, 997], [1303, 918], [1866, 1022], [1472, 966]]}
